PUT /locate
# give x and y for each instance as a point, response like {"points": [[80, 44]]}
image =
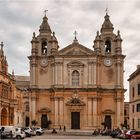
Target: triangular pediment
{"points": [[76, 49]]}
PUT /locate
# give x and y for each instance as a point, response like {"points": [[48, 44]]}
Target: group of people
{"points": [[101, 132], [60, 128]]}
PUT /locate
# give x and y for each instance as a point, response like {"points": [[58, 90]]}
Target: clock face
{"points": [[107, 62], [44, 62]]}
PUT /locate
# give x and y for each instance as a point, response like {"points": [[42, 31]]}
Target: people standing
{"points": [[64, 128], [60, 128]]}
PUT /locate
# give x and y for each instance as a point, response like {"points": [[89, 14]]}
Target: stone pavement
{"points": [[70, 135]]}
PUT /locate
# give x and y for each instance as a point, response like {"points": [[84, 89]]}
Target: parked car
{"points": [[29, 132], [2, 134], [115, 133], [121, 135], [19, 133], [39, 131], [129, 133], [12, 132], [136, 135]]}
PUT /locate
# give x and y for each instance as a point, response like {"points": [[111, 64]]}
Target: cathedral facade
{"points": [[77, 87]]}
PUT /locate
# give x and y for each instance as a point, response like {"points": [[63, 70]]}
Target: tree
{"points": [[34, 122]]}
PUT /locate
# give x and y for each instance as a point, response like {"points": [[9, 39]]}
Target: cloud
{"points": [[20, 18]]}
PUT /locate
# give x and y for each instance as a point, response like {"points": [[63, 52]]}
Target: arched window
{"points": [[75, 78], [107, 46], [44, 47]]}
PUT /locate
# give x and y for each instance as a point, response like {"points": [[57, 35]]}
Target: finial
{"points": [[53, 33], [1, 45], [118, 32], [118, 35], [97, 33], [13, 72], [75, 33], [33, 34], [45, 11]]}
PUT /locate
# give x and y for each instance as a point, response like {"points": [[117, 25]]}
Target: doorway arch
{"points": [[4, 115]]}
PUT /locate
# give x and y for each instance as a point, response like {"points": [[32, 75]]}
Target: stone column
{"points": [[95, 111], [61, 113], [118, 112], [89, 112], [59, 72], [56, 73], [89, 73], [33, 72], [56, 111], [119, 73], [33, 106], [7, 117], [94, 73], [53, 74]]}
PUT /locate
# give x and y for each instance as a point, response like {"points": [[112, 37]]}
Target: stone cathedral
{"points": [[77, 87]]}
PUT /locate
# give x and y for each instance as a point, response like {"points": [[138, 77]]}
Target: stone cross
{"points": [[106, 10], [75, 33], [45, 11]]}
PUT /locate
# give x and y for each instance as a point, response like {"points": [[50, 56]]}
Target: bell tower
{"points": [[44, 46], [110, 72], [107, 46]]}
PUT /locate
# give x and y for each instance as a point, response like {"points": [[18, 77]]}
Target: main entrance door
{"points": [[75, 120], [44, 121], [108, 121]]}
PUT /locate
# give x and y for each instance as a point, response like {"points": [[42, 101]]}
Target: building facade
{"points": [[10, 108], [134, 96], [22, 85], [77, 87]]}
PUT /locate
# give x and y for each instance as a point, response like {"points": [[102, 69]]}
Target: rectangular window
{"points": [[125, 112], [138, 89], [27, 108], [133, 122], [133, 108], [138, 123], [5, 90], [138, 107], [133, 92]]}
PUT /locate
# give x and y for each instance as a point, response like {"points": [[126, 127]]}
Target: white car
{"points": [[29, 131], [13, 132], [39, 131], [19, 134]]}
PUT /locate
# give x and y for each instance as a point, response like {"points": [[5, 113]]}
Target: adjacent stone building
{"points": [[10, 99], [77, 87], [134, 96]]}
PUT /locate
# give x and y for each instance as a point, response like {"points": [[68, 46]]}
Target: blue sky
{"points": [[20, 18]]}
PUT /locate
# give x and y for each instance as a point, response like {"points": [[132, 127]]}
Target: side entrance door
{"points": [[108, 121], [44, 121], [75, 120]]}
